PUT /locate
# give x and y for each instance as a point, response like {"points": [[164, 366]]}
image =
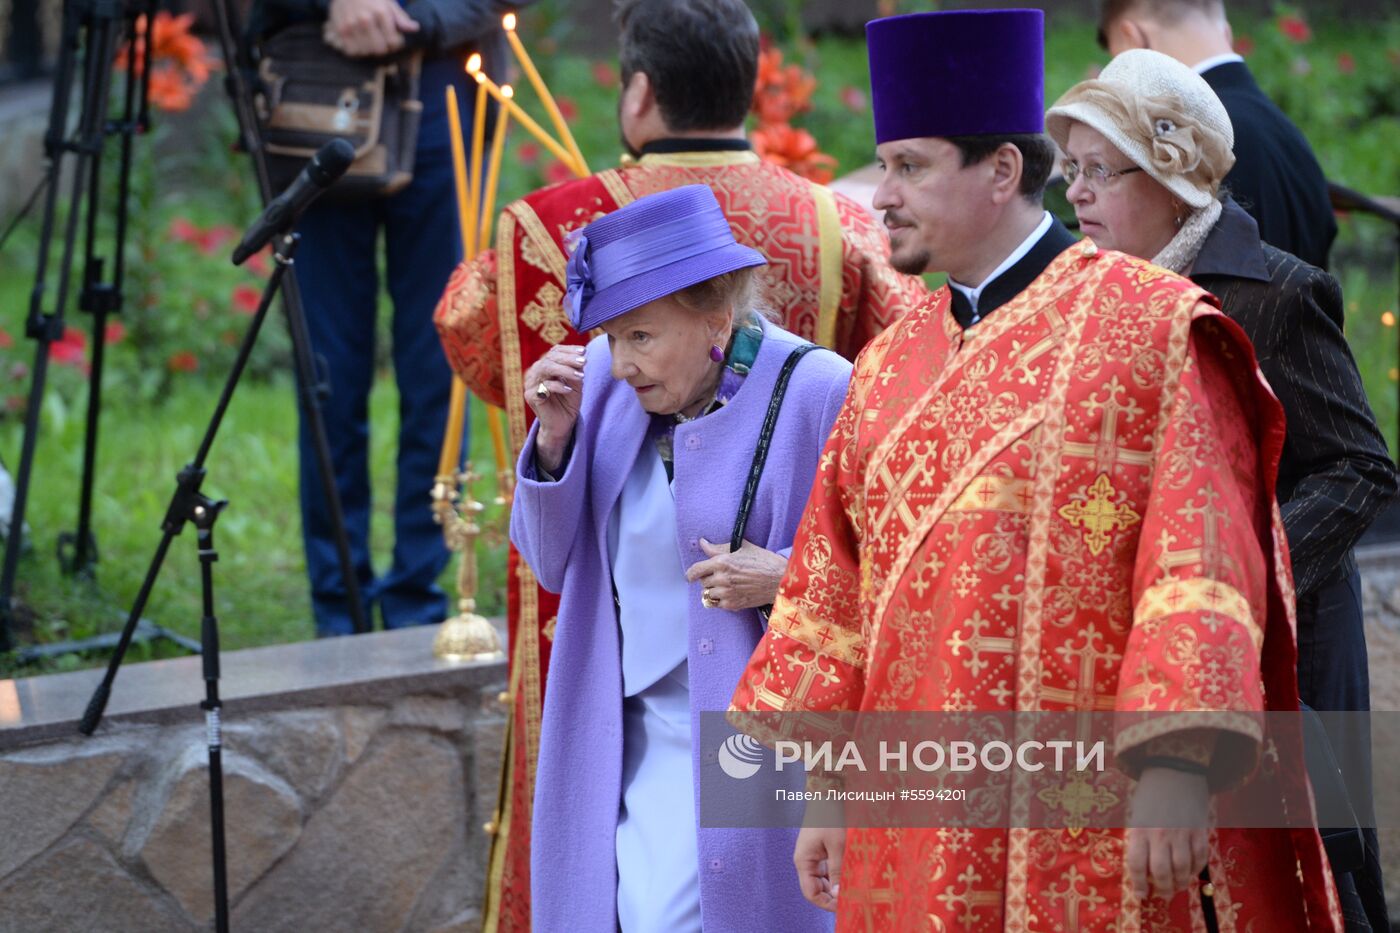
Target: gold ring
{"points": [[541, 391], [706, 600]]}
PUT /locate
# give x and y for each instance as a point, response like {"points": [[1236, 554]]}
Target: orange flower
{"points": [[174, 44], [795, 150], [182, 361], [781, 92], [169, 91], [180, 62]]}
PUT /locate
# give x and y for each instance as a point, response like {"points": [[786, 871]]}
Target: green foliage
{"points": [[260, 579], [191, 195]]}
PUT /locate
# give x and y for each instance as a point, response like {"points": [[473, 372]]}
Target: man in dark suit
{"points": [[1276, 177]]}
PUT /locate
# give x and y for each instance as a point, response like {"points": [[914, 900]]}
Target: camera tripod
{"points": [[91, 34]]}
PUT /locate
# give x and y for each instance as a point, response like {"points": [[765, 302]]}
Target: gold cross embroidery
{"points": [[898, 490], [1212, 555], [1107, 451], [1073, 899], [545, 314], [1098, 514], [978, 644], [1078, 798], [969, 899]]}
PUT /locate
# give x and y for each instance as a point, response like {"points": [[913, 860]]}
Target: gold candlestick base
{"points": [[467, 637]]}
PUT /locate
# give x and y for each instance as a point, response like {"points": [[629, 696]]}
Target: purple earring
{"points": [[716, 352]]}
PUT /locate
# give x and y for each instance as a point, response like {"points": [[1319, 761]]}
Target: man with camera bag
{"points": [[394, 63]]}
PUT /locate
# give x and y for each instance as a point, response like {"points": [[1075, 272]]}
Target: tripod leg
{"points": [[48, 327], [78, 550]]}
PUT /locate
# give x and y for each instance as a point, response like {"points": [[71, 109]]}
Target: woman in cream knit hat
{"points": [[1147, 145]]}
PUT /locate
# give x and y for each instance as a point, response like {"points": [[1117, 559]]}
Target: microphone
{"points": [[328, 164]]}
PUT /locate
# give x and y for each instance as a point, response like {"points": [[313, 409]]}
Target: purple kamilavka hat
{"points": [[653, 247], [964, 73]]}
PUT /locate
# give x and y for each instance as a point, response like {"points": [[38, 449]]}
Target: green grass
{"points": [[260, 580], [1341, 87]]}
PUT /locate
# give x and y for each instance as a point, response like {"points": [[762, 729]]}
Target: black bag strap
{"points": [[765, 439]]}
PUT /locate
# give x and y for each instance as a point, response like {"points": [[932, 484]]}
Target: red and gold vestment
{"points": [[1067, 507]]}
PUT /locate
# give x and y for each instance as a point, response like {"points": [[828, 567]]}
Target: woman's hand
{"points": [[742, 579], [1168, 860], [560, 372], [818, 859]]}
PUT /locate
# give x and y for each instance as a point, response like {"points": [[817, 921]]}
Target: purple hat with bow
{"points": [[962, 73], [653, 247]]}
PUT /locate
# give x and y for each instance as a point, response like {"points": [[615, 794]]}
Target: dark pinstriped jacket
{"points": [[1336, 475]]}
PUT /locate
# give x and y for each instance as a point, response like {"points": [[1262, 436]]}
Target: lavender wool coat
{"points": [[747, 879]]}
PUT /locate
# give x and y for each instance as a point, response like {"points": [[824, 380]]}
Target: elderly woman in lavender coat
{"points": [[629, 485]]}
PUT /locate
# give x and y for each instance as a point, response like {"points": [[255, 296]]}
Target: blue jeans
{"points": [[338, 274]]}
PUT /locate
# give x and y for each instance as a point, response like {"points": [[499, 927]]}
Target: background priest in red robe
{"points": [[1050, 489]]}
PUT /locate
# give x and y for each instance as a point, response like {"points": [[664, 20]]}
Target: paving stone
{"points": [[367, 855], [79, 887], [262, 820]]}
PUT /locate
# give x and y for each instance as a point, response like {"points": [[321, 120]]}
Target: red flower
{"points": [[212, 240], [71, 349], [854, 99], [1243, 46], [528, 153], [114, 332], [245, 299], [14, 404], [258, 263], [1346, 64], [6, 341], [557, 172], [182, 361], [230, 338], [605, 75], [183, 231], [567, 108], [795, 150], [1294, 28]]}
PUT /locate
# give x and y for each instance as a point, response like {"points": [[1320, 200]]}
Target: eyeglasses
{"points": [[1095, 176]]}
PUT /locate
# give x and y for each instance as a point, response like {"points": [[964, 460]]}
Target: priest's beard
{"points": [[911, 262]]}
